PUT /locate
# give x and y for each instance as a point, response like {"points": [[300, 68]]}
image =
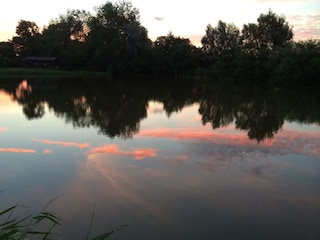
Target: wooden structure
{"points": [[42, 62]]}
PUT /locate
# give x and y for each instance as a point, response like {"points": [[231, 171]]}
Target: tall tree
{"points": [[25, 43], [221, 41], [116, 36], [65, 36], [172, 55], [271, 31]]}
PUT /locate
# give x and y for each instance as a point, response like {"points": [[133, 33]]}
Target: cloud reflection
{"points": [[47, 151], [136, 153], [17, 150], [62, 143], [286, 142]]}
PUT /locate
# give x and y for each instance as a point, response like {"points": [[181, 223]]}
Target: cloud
{"points": [[136, 153], [158, 18], [305, 26], [2, 129], [62, 143], [17, 150]]}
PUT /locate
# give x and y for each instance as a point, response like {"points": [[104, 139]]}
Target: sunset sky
{"points": [[183, 18]]}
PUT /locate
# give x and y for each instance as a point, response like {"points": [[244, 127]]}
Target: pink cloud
{"points": [[3, 129], [62, 143], [196, 134], [305, 26], [136, 153], [17, 150]]}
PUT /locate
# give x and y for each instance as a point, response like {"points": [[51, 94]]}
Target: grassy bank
{"points": [[48, 73]]}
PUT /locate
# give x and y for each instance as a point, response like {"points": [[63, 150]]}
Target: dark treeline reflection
{"points": [[116, 107]]}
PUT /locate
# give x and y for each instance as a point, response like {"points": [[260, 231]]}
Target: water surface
{"points": [[172, 159]]}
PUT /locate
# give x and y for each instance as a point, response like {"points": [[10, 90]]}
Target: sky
{"points": [[183, 18]]}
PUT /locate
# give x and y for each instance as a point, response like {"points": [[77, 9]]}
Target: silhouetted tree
{"points": [[271, 31], [64, 37], [221, 41], [26, 42], [116, 37], [6, 50], [7, 54], [172, 55]]}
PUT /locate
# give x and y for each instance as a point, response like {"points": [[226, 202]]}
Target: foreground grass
{"points": [[42, 72], [39, 226]]}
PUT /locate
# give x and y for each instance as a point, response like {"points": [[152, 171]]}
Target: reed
{"points": [[39, 226]]}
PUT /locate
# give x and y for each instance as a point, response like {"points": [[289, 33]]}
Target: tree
{"points": [[65, 37], [25, 43], [172, 55], [116, 37], [6, 50], [7, 54], [221, 41], [271, 32]]}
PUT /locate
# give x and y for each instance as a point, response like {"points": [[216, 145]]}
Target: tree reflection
{"points": [[116, 107]]}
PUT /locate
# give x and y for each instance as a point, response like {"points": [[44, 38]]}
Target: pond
{"points": [[172, 159]]}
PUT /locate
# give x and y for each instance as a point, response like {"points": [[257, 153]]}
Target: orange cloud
{"points": [[136, 153], [17, 150], [3, 129], [62, 143]]}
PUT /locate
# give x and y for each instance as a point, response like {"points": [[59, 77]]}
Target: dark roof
{"points": [[47, 59]]}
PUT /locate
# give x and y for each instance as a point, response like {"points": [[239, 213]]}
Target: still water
{"points": [[173, 160]]}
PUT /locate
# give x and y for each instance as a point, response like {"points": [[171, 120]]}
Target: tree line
{"points": [[114, 40]]}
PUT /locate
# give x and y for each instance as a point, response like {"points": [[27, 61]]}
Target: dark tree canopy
{"points": [[26, 29], [172, 54], [271, 31], [25, 43], [221, 40], [6, 50]]}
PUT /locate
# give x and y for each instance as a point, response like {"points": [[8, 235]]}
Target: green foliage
{"points": [[39, 226]]}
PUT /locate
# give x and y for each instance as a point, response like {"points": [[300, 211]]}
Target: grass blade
{"points": [[103, 236]]}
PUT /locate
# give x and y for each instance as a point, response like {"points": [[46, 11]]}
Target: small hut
{"points": [[42, 62]]}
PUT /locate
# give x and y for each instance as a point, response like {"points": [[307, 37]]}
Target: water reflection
{"points": [[116, 108], [202, 161]]}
